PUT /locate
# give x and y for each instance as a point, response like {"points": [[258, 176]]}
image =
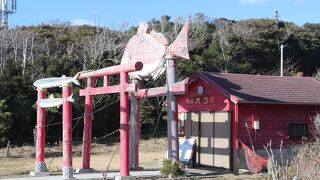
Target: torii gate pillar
{"points": [[85, 167], [40, 165], [124, 122], [67, 132]]}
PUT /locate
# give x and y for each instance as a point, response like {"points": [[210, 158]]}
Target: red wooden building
{"points": [[217, 105]]}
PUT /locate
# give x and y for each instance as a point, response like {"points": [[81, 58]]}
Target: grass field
{"points": [[21, 160]]}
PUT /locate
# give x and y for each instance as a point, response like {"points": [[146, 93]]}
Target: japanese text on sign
{"points": [[200, 100]]}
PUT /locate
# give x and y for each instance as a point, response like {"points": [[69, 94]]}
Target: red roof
{"points": [[267, 89]]}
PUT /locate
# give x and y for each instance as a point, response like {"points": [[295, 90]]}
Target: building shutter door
{"points": [[222, 133], [206, 139]]}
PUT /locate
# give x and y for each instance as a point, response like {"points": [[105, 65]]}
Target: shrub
{"points": [[170, 169]]}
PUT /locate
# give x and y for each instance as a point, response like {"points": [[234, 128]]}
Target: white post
{"points": [[134, 131], [172, 125], [281, 61]]}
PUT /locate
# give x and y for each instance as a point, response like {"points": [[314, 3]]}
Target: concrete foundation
{"points": [[40, 167], [90, 170], [40, 170], [39, 174], [124, 177], [67, 172]]}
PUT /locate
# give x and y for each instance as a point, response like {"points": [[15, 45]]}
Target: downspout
{"points": [[235, 147]]}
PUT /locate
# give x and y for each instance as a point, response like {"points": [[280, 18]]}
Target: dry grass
{"points": [[22, 159], [305, 162]]}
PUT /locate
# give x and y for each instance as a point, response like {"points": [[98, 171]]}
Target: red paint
{"points": [[67, 126], [112, 70], [107, 89], [274, 120], [235, 121], [178, 89], [123, 89], [212, 100], [41, 122], [87, 126], [124, 122]]}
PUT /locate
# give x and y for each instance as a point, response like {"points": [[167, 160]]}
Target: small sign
{"points": [[186, 149], [200, 100]]}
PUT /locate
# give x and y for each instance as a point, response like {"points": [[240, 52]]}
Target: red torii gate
{"points": [[177, 49], [123, 88]]}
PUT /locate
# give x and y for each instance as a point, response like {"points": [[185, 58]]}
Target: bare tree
{"points": [[243, 29], [222, 35], [91, 49]]}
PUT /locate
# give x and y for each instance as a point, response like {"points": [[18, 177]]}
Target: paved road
{"points": [[91, 175]]}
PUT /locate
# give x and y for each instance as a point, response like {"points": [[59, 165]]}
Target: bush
{"points": [[170, 169], [5, 122]]}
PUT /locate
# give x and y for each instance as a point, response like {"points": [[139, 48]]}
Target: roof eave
{"points": [[232, 98], [279, 103]]}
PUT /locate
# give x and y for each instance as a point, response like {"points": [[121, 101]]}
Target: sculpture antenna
{"points": [[5, 12]]}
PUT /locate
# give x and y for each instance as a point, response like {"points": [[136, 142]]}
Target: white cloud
{"points": [[79, 22]]}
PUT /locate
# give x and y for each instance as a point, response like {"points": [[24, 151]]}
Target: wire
{"points": [[78, 118], [104, 174], [157, 124], [96, 139]]}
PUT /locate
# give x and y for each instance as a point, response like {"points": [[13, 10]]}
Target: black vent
{"points": [[297, 130]]}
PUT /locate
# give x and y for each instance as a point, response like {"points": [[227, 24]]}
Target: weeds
{"points": [[305, 162], [170, 169]]}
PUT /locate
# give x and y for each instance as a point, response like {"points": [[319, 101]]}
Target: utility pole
{"points": [[276, 15], [281, 60]]}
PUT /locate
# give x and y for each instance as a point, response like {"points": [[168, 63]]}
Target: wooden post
{"points": [[8, 149], [87, 126], [40, 165], [124, 122], [134, 128], [172, 125], [67, 132]]}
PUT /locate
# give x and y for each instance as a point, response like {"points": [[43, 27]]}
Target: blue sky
{"points": [[114, 13]]}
